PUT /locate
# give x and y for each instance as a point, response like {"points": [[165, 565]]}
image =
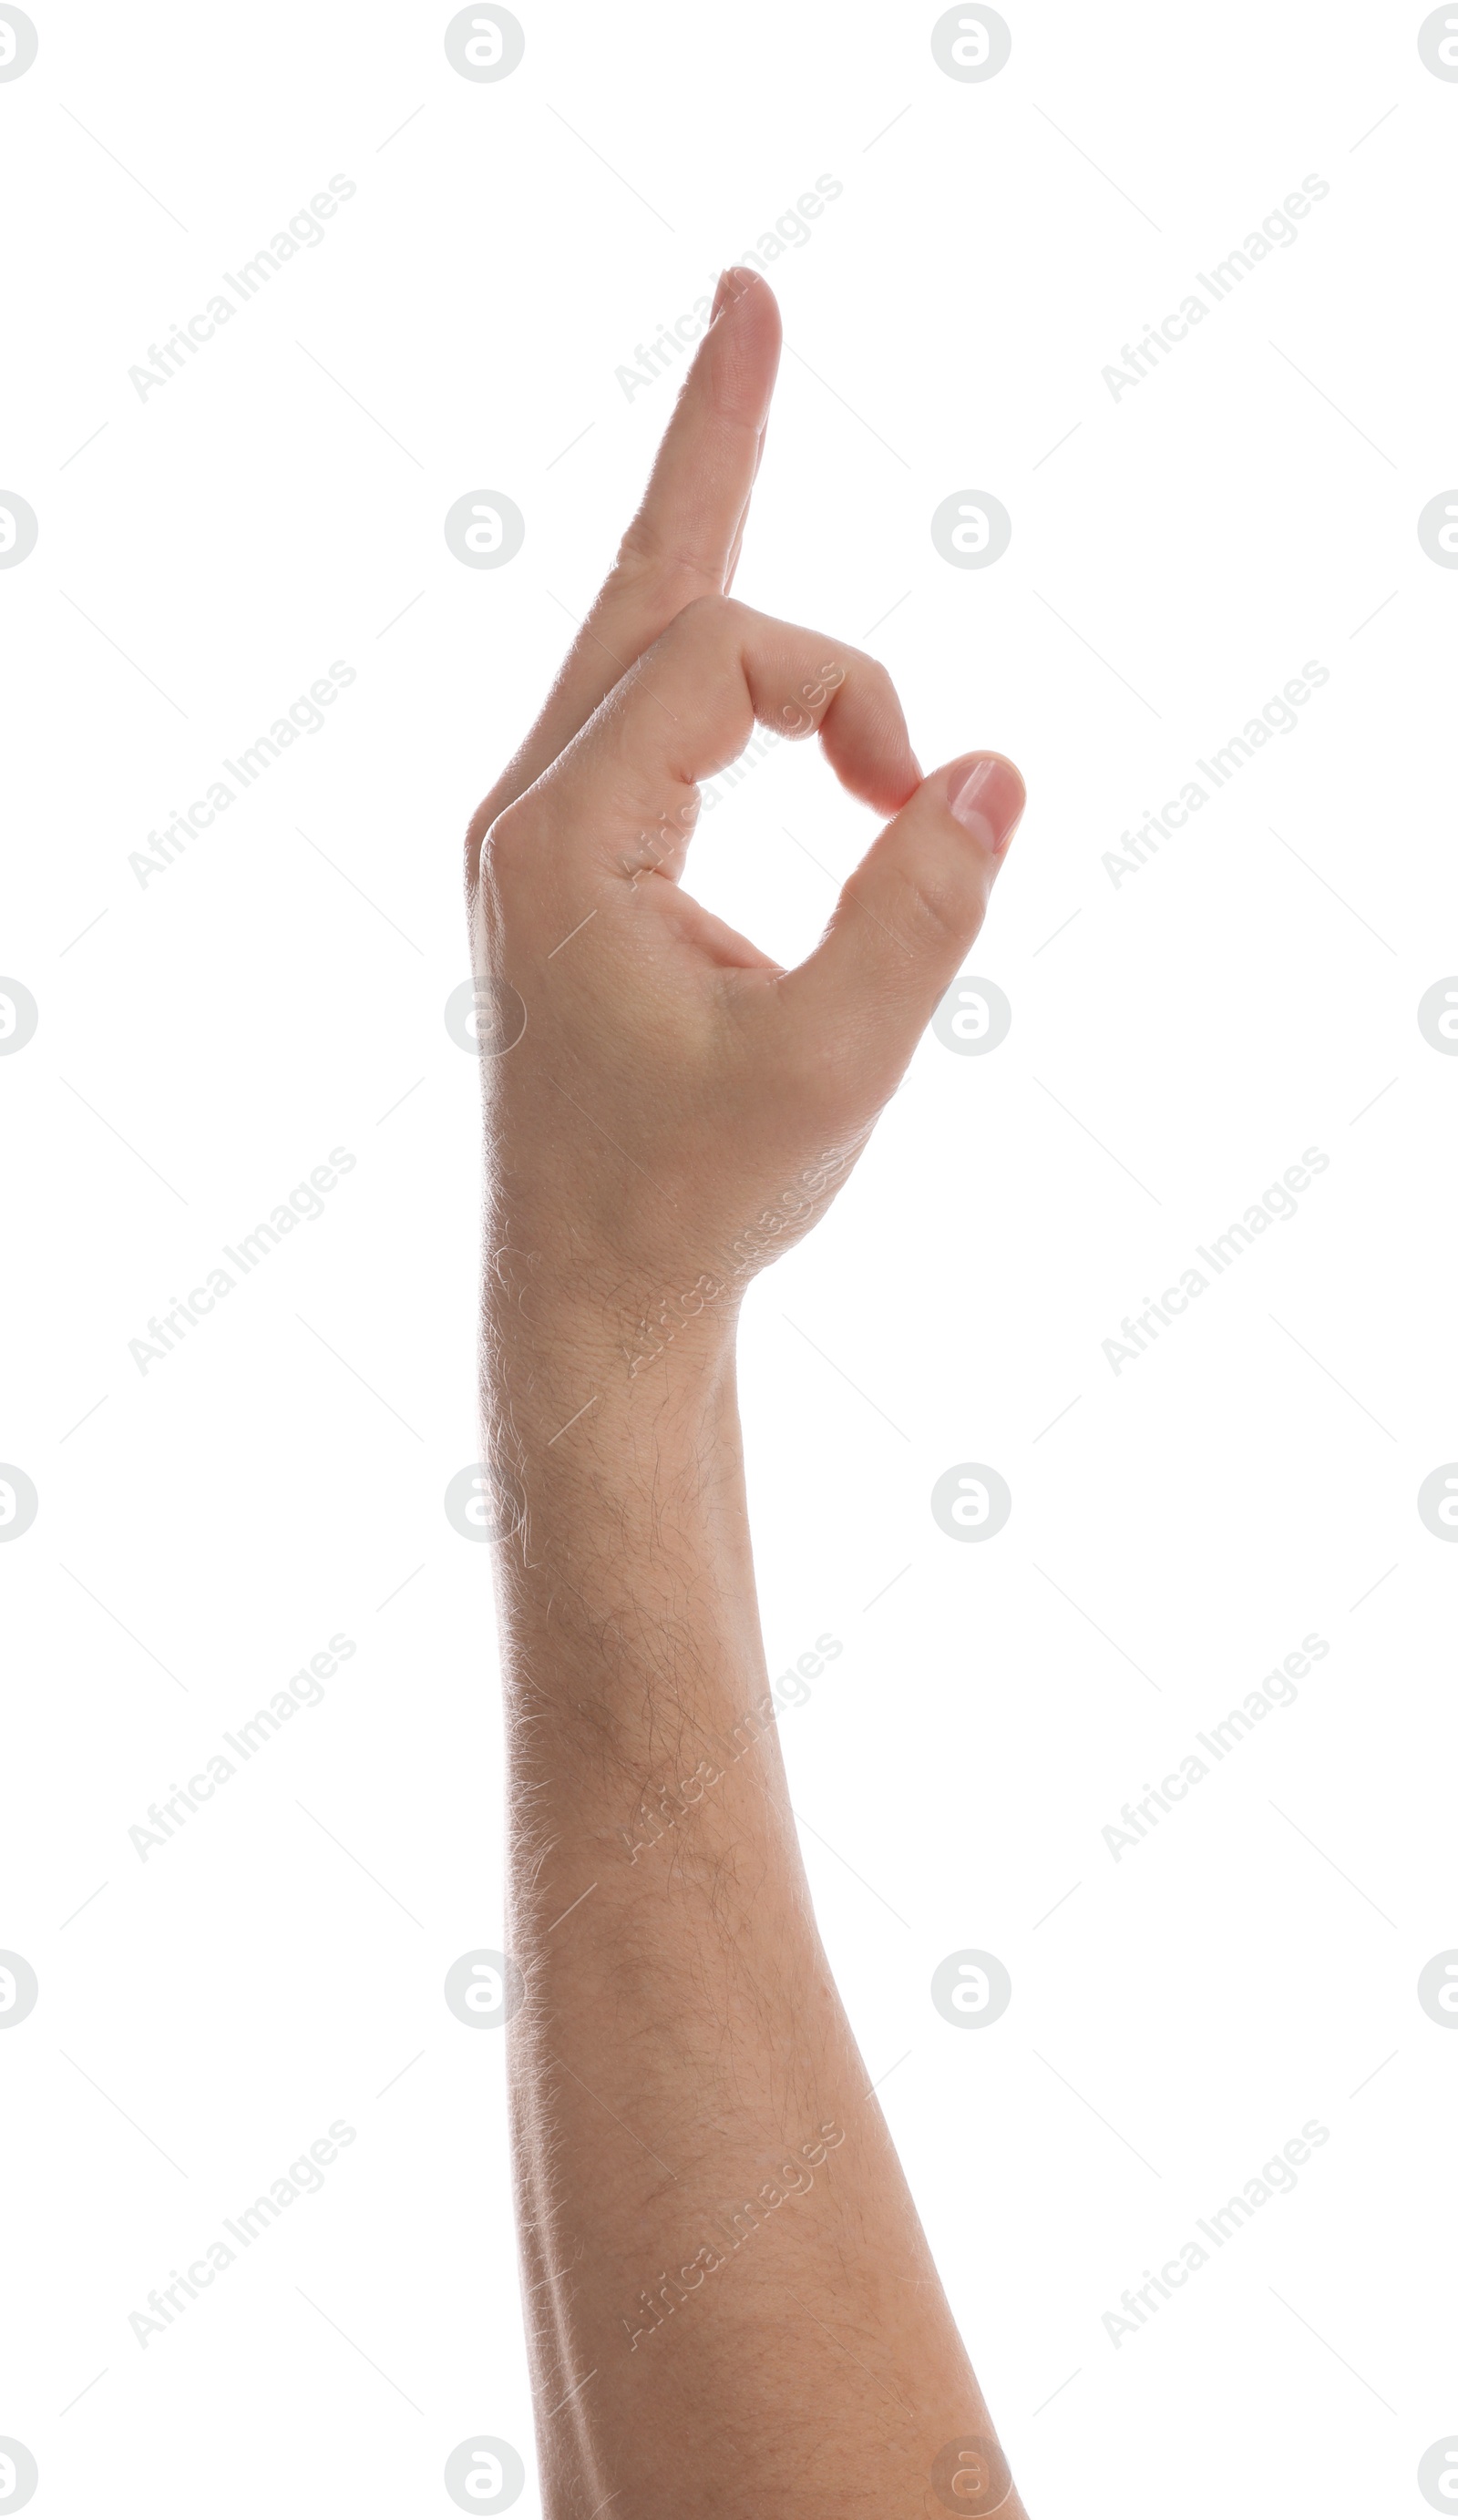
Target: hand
{"points": [[678, 1108]]}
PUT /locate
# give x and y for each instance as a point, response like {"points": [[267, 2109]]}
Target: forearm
{"points": [[710, 2201]]}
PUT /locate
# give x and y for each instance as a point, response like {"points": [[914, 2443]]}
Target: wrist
{"points": [[589, 1322], [620, 1483]]}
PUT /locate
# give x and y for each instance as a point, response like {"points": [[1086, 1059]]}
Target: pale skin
{"points": [[731, 2304]]}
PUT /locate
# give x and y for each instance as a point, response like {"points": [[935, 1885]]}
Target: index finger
{"points": [[684, 536]]}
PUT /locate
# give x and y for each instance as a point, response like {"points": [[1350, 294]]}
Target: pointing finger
{"points": [[684, 540]]}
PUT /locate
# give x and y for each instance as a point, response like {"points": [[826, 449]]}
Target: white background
{"points": [[1178, 1039]]}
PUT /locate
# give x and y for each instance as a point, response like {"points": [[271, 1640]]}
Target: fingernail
{"points": [[987, 797], [734, 280]]}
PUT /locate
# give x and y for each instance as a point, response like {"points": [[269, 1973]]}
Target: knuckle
{"points": [[936, 906], [650, 565], [638, 551], [475, 839], [501, 842], [707, 618]]}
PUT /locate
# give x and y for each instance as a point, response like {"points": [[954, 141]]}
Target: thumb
{"points": [[904, 920]]}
